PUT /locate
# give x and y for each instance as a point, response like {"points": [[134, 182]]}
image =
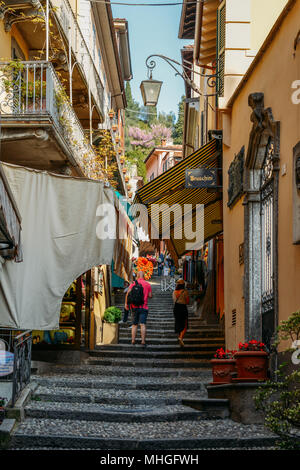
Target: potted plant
{"points": [[251, 362], [223, 366], [111, 113], [2, 409], [114, 127], [112, 316]]}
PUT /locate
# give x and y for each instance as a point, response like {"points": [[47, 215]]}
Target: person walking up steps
{"points": [[181, 300], [137, 297]]}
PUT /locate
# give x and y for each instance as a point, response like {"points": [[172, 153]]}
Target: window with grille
{"points": [[221, 38]]}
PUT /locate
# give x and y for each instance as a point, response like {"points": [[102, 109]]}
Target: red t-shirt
{"points": [[147, 290]]}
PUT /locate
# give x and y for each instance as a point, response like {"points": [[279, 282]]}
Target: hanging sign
{"points": [[201, 178]]}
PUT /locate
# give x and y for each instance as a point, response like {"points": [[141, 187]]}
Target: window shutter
{"points": [[221, 37]]}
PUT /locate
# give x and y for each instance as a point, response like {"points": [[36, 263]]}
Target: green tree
{"points": [[178, 127]]}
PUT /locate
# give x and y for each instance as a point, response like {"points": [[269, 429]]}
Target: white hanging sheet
{"points": [[59, 243]]}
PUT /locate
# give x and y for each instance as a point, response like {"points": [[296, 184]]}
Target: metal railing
{"points": [[15, 360], [33, 88]]}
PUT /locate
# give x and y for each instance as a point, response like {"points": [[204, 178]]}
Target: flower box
{"points": [[223, 367], [222, 371], [252, 366]]}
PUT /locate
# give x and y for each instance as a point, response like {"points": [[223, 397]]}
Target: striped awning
{"points": [[169, 188]]}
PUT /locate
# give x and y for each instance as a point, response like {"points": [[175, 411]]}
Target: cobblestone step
{"points": [[154, 334], [141, 353], [113, 396], [114, 348], [137, 373], [159, 341], [146, 384], [161, 363], [115, 413], [202, 434]]}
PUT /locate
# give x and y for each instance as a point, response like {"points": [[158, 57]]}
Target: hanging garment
{"points": [[59, 225]]}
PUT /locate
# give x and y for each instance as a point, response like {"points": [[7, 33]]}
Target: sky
{"points": [[154, 30]]}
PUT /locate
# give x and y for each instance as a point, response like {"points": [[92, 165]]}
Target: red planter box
{"points": [[222, 370], [252, 366]]}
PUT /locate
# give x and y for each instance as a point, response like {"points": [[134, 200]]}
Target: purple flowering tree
{"points": [[147, 139]]}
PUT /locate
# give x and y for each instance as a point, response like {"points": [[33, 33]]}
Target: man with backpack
{"points": [[137, 297]]}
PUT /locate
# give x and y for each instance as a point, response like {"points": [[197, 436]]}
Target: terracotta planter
{"points": [[222, 370], [252, 366]]}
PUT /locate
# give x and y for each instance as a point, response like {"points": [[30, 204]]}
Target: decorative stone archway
{"points": [[261, 221]]}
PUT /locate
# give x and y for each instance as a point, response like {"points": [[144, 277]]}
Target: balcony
{"points": [[66, 41], [35, 111]]}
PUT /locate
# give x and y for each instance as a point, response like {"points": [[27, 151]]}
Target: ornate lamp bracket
{"points": [[182, 71]]}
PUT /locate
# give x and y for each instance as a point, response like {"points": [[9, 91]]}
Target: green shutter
{"points": [[221, 35]]}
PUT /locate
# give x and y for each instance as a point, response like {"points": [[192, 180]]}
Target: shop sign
{"points": [[201, 178], [6, 363]]}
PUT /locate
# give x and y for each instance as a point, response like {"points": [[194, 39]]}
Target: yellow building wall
{"points": [[263, 16], [275, 82], [5, 43]]}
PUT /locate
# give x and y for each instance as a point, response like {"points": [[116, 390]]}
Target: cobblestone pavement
{"points": [[128, 397]]}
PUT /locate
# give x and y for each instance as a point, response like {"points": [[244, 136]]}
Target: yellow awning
{"points": [[169, 188]]}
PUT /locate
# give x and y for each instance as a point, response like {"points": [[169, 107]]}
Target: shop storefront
{"points": [[195, 181], [74, 322]]}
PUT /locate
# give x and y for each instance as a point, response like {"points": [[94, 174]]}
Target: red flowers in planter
{"points": [[223, 366], [221, 354], [252, 362], [252, 345]]}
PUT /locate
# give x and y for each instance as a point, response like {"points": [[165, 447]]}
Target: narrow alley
{"points": [[128, 398]]}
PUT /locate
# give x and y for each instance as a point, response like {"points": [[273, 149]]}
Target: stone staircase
{"points": [[128, 398]]}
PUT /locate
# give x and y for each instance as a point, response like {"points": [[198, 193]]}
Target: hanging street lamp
{"points": [[150, 88]]}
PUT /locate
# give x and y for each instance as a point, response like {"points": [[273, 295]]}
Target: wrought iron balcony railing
{"points": [[32, 89]]}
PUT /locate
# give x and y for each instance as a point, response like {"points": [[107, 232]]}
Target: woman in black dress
{"points": [[181, 300]]}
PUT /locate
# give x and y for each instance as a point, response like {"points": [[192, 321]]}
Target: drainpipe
{"points": [[47, 30]]}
